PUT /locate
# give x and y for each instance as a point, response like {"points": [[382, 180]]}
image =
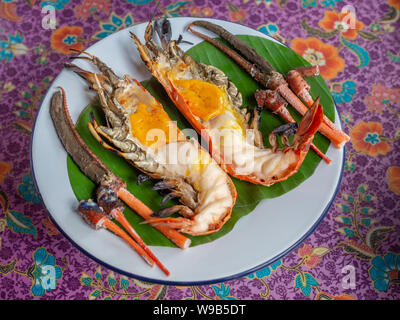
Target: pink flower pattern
{"points": [[380, 96], [311, 260], [83, 10]]}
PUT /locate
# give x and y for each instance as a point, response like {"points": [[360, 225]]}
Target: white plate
{"points": [[273, 229]]}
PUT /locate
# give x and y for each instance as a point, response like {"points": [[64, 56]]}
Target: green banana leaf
{"points": [[249, 195]]}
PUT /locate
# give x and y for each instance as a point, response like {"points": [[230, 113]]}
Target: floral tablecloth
{"points": [[355, 251]]}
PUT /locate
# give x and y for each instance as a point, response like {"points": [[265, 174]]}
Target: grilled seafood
{"points": [[280, 91], [139, 130], [211, 103], [110, 188]]}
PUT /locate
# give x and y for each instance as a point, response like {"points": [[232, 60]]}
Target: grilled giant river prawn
{"points": [[211, 103], [141, 131]]}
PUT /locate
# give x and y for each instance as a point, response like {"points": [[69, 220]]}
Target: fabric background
{"points": [[359, 235]]}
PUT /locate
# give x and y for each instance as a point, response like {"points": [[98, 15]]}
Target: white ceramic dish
{"points": [[272, 230]]}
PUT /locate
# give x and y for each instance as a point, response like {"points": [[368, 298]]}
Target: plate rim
{"points": [[203, 282]]}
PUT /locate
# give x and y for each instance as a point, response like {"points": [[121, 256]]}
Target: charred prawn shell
{"points": [[212, 104]]}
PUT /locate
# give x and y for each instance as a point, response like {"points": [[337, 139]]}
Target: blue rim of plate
{"points": [[206, 282]]}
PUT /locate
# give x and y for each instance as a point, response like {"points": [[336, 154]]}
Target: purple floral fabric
{"points": [[355, 251]]}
